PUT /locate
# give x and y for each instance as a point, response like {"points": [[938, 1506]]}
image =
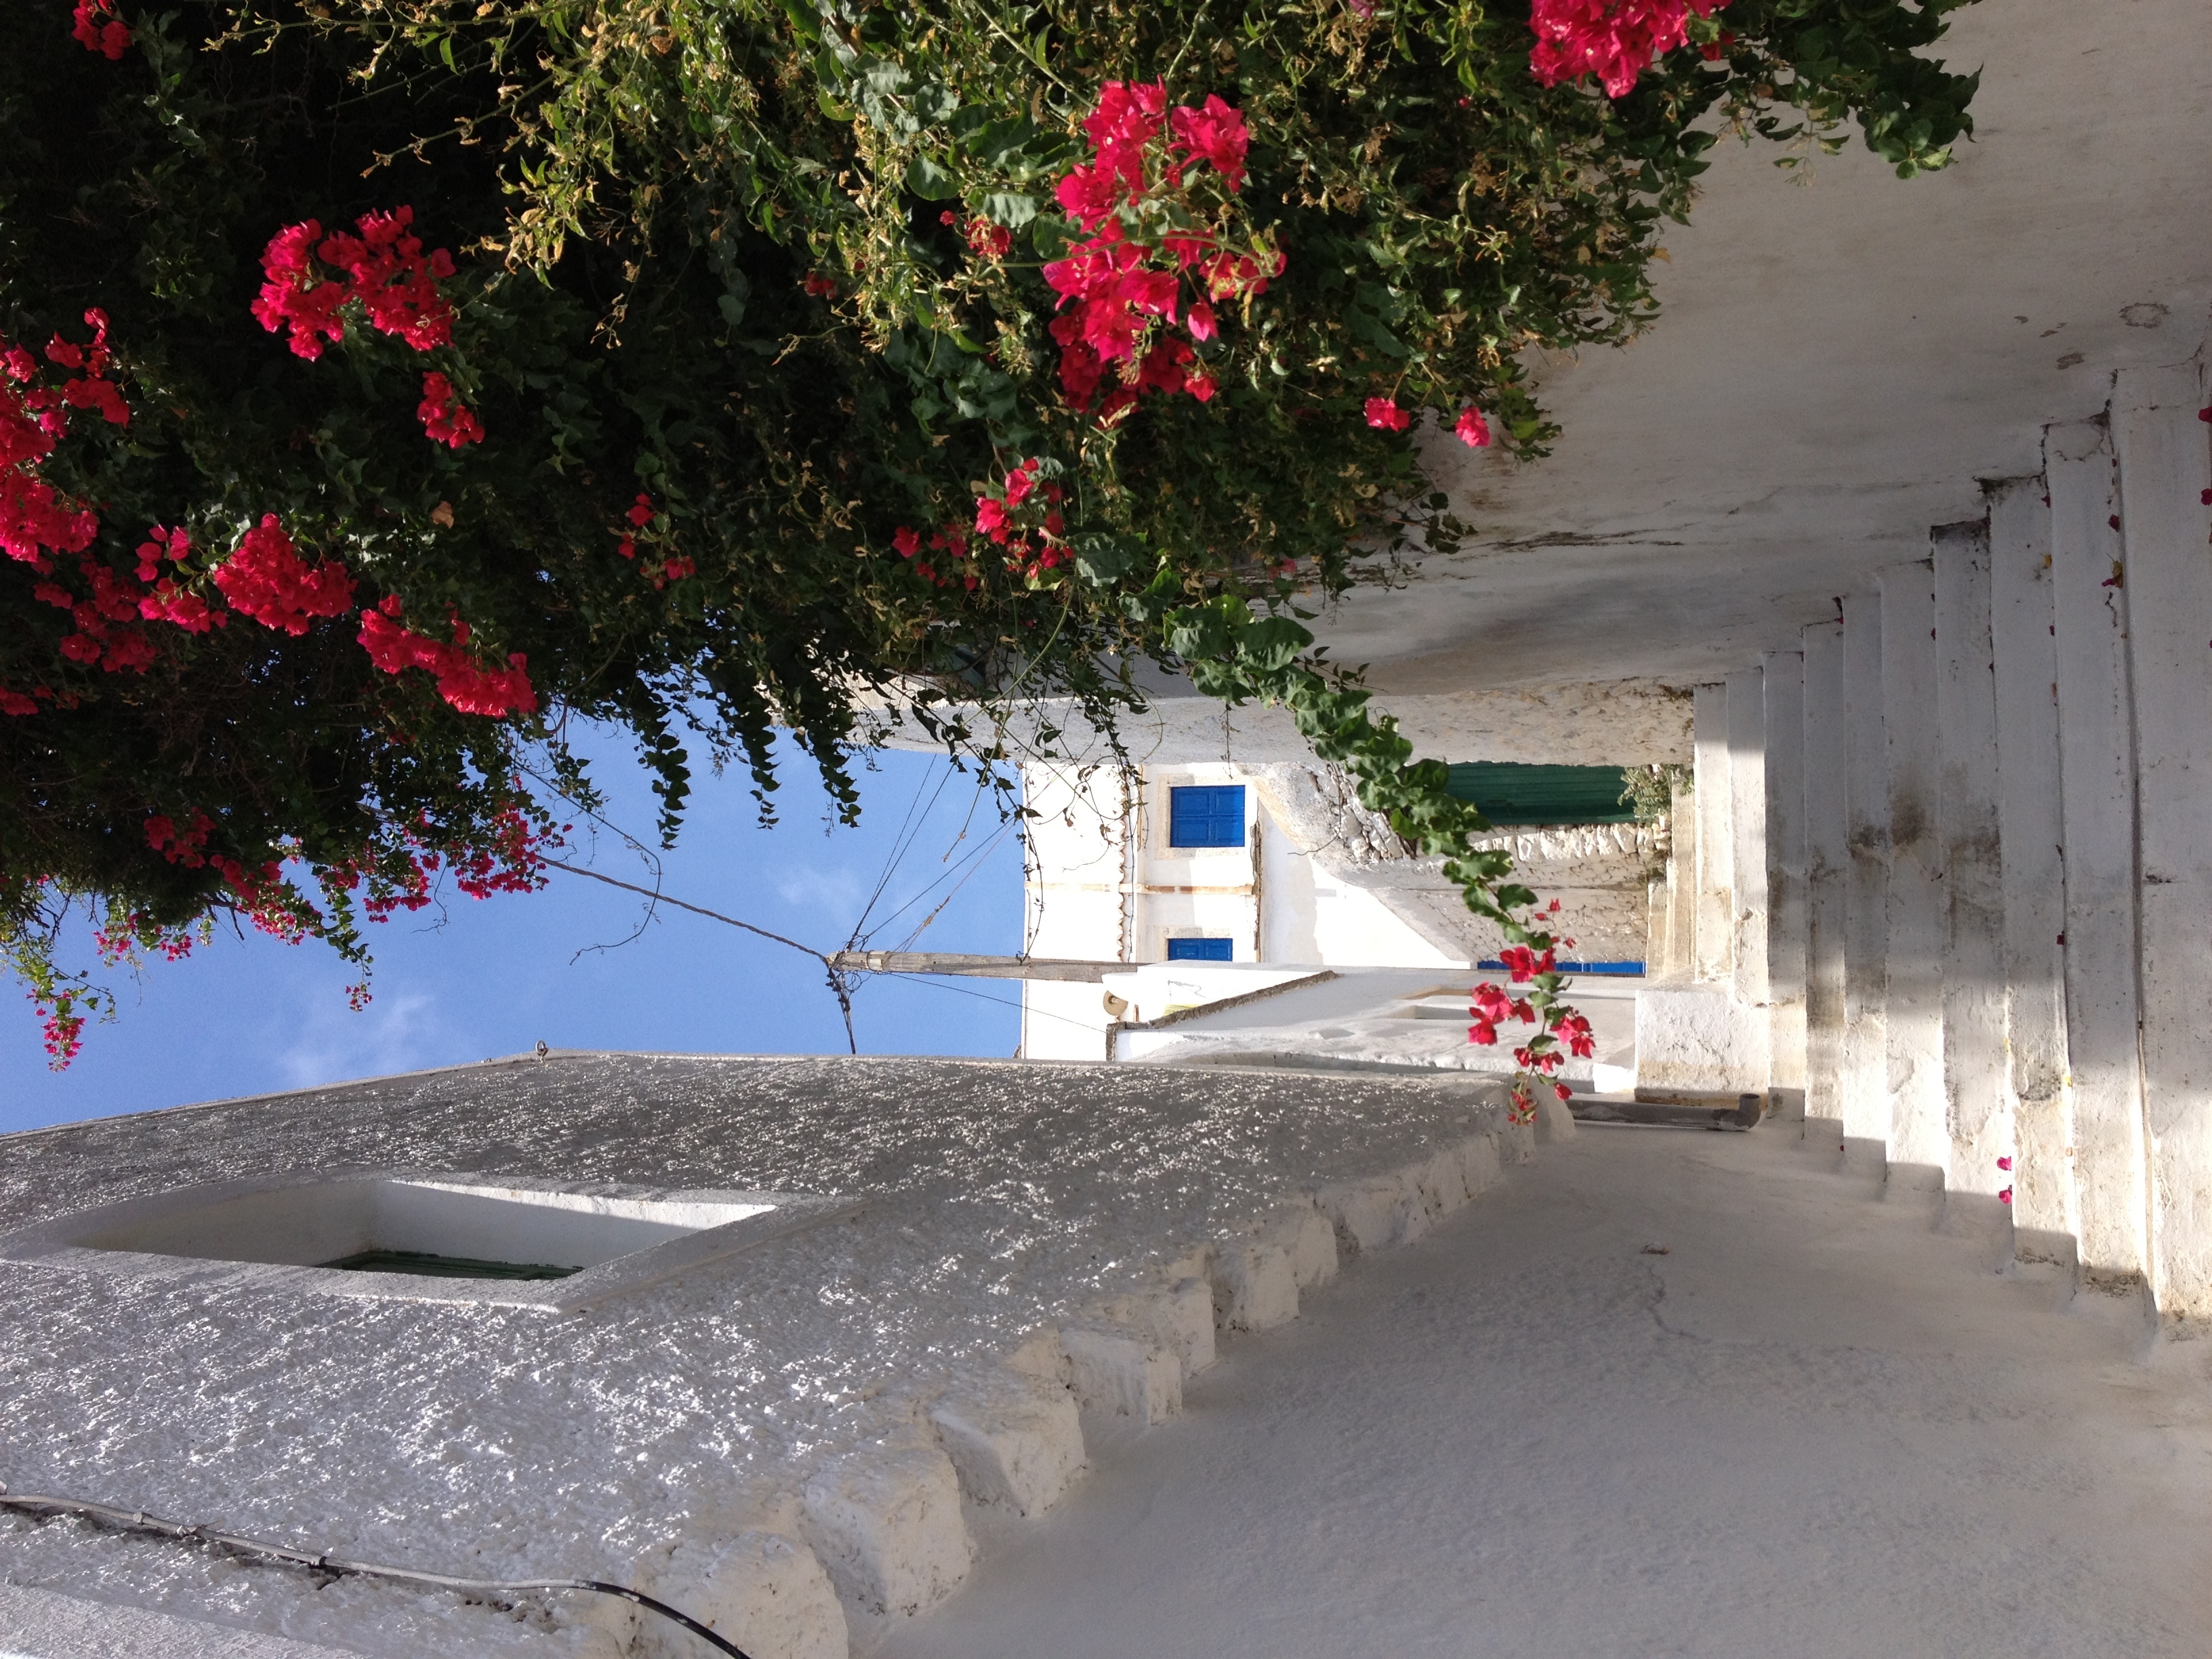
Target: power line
{"points": [[660, 897]]}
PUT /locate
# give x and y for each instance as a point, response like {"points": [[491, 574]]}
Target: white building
{"points": [[1275, 867]]}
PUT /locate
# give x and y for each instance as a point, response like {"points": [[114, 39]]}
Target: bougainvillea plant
{"points": [[710, 367]]}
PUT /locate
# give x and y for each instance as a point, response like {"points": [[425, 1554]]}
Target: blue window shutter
{"points": [[1201, 949], [1206, 815]]}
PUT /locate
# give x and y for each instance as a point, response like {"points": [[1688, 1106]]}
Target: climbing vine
{"points": [[394, 381]]}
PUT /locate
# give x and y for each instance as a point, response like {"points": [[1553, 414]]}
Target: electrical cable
{"points": [[140, 1520], [969, 864], [840, 983], [902, 844], [658, 897]]}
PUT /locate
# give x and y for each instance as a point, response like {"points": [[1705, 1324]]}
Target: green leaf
{"points": [[1100, 559], [930, 181], [1009, 208], [1272, 643]]}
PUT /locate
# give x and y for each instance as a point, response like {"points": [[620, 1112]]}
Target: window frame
{"points": [[1212, 815]]}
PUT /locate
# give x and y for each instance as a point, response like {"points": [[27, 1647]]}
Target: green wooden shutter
{"points": [[1509, 794]]}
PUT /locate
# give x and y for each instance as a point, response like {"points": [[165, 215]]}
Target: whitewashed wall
{"points": [[1996, 794]]}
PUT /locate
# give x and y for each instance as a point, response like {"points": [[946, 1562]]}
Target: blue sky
{"points": [[582, 965]]}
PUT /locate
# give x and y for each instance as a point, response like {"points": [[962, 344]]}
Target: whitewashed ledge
{"points": [[797, 1442]]}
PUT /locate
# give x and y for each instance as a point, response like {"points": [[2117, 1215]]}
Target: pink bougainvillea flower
{"points": [[1473, 431], [394, 280], [1616, 40], [987, 240], [1127, 116], [906, 542], [443, 417], [467, 684], [1088, 195], [1121, 288], [1214, 134], [1482, 1032], [266, 580], [97, 28], [1163, 368], [1384, 415], [2004, 1163], [2005, 1197], [387, 274]]}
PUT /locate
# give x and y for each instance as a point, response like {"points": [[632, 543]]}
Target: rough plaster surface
{"points": [[1812, 1429], [1697, 512], [1612, 723], [1698, 1039], [1384, 1020], [2031, 833], [1600, 873], [739, 1439], [40, 1625]]}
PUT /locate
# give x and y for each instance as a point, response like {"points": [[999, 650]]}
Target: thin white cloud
{"points": [[836, 891], [328, 1042]]}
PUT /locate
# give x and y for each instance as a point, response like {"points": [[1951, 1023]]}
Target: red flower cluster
{"points": [[443, 418], [1385, 415], [1571, 1029], [511, 864], [35, 523], [1523, 964], [121, 939], [90, 389], [106, 632], [387, 271], [1129, 119], [1492, 1009], [1125, 290], [185, 846], [1023, 518], [1615, 40], [64, 1031], [819, 287], [37, 527], [985, 240], [1029, 507], [98, 29], [463, 682], [271, 903], [640, 514], [268, 580], [402, 877], [953, 544], [673, 567], [166, 601]]}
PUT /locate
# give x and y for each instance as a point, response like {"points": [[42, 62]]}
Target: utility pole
{"points": [[973, 967]]}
